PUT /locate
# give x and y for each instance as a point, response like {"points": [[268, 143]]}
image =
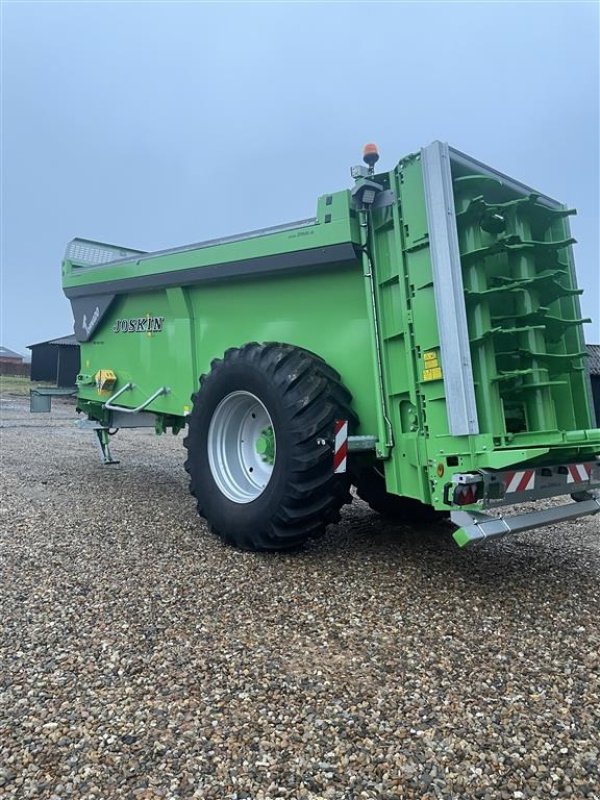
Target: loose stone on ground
{"points": [[140, 658]]}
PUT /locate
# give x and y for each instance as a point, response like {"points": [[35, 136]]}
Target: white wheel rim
{"points": [[241, 447]]}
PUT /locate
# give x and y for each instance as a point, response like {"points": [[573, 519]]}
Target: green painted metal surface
{"points": [[265, 445], [169, 315]]}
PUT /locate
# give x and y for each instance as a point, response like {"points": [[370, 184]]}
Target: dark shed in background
{"points": [[56, 360]]}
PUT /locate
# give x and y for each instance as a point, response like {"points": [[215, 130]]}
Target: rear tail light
{"points": [[465, 494], [465, 490]]}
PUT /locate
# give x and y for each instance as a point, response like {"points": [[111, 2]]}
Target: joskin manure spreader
{"points": [[420, 338]]}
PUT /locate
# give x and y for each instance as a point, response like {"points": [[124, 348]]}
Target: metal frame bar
{"points": [[121, 419], [357, 444], [143, 255], [521, 188], [109, 407], [449, 291], [342, 253], [476, 528], [546, 486]]}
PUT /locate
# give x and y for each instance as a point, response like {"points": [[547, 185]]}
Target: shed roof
{"points": [[6, 353], [594, 359], [68, 341]]}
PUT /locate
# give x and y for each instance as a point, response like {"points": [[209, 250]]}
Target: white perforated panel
{"points": [[90, 254]]}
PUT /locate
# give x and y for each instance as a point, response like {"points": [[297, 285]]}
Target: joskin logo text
{"points": [[139, 325]]}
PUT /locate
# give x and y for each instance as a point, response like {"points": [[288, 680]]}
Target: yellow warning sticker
{"points": [[433, 374], [432, 371], [105, 380]]}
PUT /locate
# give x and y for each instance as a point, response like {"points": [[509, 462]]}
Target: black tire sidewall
{"points": [[224, 513]]}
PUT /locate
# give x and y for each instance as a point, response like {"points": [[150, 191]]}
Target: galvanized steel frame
{"points": [[449, 291]]}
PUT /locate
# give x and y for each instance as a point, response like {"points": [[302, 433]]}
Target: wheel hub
{"points": [[241, 447], [265, 445]]}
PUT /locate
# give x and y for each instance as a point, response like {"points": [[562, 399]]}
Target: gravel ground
{"points": [[140, 658]]}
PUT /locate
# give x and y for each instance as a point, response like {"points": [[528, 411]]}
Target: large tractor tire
{"points": [[258, 461], [370, 487]]}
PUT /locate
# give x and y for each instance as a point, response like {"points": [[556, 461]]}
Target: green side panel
{"points": [[216, 297], [323, 312]]}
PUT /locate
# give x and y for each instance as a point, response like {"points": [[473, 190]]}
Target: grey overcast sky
{"points": [[151, 124]]}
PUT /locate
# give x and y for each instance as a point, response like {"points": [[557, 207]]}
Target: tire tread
{"points": [[315, 397]]}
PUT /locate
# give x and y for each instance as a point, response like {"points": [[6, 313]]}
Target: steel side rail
{"points": [[108, 405], [476, 527]]}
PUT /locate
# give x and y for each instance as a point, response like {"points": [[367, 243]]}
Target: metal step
{"points": [[476, 527]]}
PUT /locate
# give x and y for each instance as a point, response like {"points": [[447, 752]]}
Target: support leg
{"points": [[102, 438]]}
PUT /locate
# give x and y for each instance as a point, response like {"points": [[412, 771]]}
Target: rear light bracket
{"points": [[523, 485]]}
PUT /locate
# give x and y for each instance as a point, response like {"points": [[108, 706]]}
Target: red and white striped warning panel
{"points": [[521, 481], [579, 473], [525, 480], [340, 450]]}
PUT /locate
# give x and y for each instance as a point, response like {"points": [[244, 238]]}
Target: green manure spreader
{"points": [[420, 338]]}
